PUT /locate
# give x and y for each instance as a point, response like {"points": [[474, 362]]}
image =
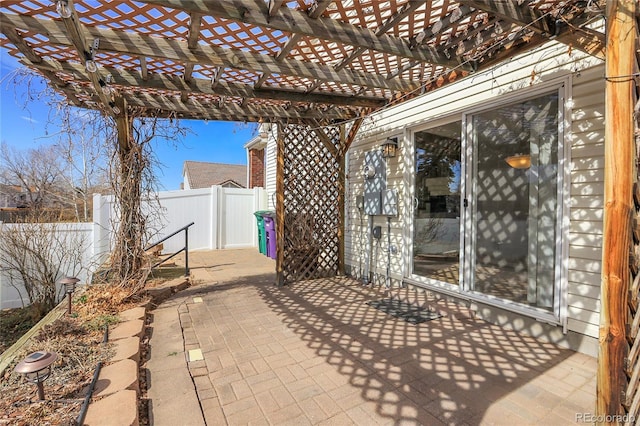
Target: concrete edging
{"points": [[117, 389]]}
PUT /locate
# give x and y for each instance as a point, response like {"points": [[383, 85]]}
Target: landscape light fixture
{"points": [[69, 287], [389, 147], [63, 9], [36, 368]]}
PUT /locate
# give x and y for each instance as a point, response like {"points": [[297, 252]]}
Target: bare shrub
{"points": [[35, 255]]}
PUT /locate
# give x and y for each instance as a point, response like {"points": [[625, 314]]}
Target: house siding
{"points": [[544, 65], [270, 159]]}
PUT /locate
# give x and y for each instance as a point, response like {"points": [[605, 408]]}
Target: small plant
{"points": [[100, 321], [174, 353]]}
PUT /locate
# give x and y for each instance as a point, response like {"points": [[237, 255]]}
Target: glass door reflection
{"points": [[436, 213]]}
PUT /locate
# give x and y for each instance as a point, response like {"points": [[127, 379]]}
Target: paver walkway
{"points": [[316, 353]]}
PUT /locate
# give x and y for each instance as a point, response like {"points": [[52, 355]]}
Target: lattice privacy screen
{"points": [[311, 203]]}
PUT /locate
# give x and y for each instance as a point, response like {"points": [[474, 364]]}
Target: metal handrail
{"points": [[184, 249]]}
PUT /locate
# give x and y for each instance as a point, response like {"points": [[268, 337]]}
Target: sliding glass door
{"points": [[514, 200], [436, 213], [507, 210]]}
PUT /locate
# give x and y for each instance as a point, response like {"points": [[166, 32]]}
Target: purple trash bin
{"points": [[270, 233]]}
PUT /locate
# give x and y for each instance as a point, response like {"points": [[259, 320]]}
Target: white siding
{"points": [[586, 202], [270, 160], [547, 64]]}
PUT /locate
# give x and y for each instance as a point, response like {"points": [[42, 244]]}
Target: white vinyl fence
{"points": [[12, 293], [223, 218]]}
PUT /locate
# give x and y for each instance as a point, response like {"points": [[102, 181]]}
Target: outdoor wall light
{"points": [[36, 368], [520, 161], [389, 147], [69, 287], [63, 9]]}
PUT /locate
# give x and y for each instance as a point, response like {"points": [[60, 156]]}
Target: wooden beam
{"points": [[132, 79], [353, 131], [517, 13], [280, 204], [591, 42], [256, 12], [135, 44], [293, 39], [215, 77], [232, 110], [78, 36], [274, 5], [406, 10], [144, 71], [12, 34], [618, 188], [317, 130], [432, 30], [195, 20]]}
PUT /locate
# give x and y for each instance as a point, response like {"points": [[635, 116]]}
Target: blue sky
{"points": [[23, 124]]}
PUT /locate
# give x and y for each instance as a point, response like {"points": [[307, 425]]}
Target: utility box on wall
{"points": [[389, 202], [375, 181]]}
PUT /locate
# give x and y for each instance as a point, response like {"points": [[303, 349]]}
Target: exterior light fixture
{"points": [[115, 108], [105, 87], [63, 9], [36, 368], [69, 287], [520, 161], [90, 63], [389, 147], [265, 128]]}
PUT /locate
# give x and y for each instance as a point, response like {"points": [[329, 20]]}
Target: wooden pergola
{"points": [[317, 68]]}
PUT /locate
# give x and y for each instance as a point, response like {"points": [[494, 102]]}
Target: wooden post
{"points": [[123, 125], [280, 204], [618, 181], [340, 158]]}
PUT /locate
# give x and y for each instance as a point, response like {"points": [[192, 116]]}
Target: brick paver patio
{"points": [[316, 353]]}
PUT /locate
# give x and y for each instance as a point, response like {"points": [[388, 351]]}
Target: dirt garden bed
{"points": [[78, 341]]}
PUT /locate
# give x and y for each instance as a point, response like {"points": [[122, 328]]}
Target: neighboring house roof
{"points": [[200, 174]]}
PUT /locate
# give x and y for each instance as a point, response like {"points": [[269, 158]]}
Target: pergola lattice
{"points": [[316, 67], [275, 60]]}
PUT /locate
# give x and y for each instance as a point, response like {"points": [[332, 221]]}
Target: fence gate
{"points": [[310, 204]]}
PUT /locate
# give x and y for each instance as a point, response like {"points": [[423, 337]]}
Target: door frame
{"points": [[559, 315], [411, 181]]}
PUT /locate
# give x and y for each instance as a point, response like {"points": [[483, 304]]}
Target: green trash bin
{"points": [[262, 237]]}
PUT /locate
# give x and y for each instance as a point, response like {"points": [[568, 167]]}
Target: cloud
{"points": [[29, 119]]}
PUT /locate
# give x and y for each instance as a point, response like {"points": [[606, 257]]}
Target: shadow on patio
{"points": [[316, 353], [455, 368]]}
